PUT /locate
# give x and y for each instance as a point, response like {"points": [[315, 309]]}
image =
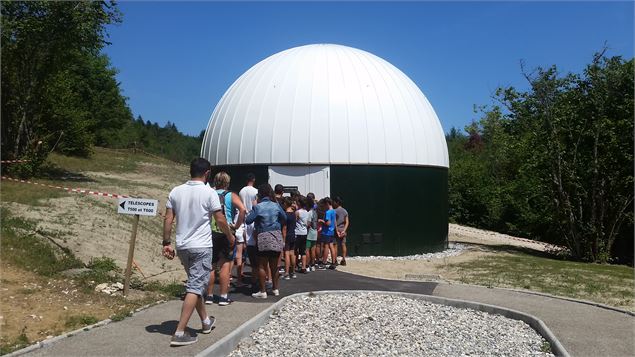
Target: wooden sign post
{"points": [[133, 238], [137, 207]]}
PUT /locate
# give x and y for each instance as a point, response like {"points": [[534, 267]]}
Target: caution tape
{"points": [[68, 189], [13, 161], [74, 190]]}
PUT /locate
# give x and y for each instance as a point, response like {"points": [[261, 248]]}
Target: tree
{"points": [[554, 162], [574, 136], [85, 103], [47, 47]]}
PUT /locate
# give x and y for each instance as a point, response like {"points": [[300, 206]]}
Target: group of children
{"points": [[313, 230]]}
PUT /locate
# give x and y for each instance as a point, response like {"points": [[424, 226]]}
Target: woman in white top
{"points": [[302, 218], [312, 233]]}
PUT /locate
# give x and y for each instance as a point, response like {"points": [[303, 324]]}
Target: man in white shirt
{"points": [[248, 195], [193, 204]]}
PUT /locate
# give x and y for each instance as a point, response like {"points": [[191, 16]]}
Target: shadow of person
{"points": [[245, 290], [167, 328]]}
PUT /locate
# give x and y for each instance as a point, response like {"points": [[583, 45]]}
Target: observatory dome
{"points": [[324, 104]]}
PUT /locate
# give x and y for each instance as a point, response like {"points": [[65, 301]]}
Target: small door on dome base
{"points": [[307, 179]]}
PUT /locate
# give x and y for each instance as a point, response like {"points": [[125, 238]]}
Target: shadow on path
{"points": [[333, 280], [166, 328]]}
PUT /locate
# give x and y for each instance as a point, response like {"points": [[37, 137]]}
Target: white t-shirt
{"points": [[193, 204], [248, 195], [301, 222]]}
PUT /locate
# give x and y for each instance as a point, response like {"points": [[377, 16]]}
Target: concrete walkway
{"points": [[584, 330]]}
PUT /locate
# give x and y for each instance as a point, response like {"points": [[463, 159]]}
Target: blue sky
{"points": [[176, 60]]}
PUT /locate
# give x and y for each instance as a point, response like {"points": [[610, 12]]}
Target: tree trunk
{"points": [[18, 138]]}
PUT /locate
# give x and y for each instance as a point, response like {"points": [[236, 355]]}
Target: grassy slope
{"points": [[29, 259], [515, 267]]}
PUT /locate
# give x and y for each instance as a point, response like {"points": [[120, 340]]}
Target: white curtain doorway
{"points": [[307, 179]]}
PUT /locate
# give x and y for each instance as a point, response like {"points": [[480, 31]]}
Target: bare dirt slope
{"points": [[91, 227], [34, 307]]}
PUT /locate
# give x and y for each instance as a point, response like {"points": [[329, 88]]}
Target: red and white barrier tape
{"points": [[13, 161], [74, 190]]}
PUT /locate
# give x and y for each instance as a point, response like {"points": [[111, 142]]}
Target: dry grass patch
{"points": [[512, 267]]}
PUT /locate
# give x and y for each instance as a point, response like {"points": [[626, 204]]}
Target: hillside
{"points": [[47, 230], [89, 225]]}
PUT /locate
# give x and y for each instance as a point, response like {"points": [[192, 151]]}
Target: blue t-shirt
{"points": [[329, 217], [226, 201]]}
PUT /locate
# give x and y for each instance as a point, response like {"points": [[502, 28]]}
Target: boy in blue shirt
{"points": [[328, 233]]}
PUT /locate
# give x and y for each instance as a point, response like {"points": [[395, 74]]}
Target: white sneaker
{"points": [[276, 292], [259, 295], [286, 277]]}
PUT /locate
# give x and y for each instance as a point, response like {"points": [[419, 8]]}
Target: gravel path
{"points": [[369, 324]]}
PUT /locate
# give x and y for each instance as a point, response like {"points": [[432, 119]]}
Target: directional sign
{"points": [[140, 206]]}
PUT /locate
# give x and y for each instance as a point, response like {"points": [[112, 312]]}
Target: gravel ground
{"points": [[454, 249], [367, 324]]}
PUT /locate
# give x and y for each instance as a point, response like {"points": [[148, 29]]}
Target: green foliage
{"points": [[164, 141], [34, 157], [80, 321], [57, 90], [172, 289], [103, 264], [102, 270], [546, 347], [553, 163], [85, 102], [21, 246], [20, 342], [119, 316]]}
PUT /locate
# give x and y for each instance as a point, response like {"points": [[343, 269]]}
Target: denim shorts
{"points": [[198, 265]]}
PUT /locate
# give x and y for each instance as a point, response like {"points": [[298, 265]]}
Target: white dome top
{"points": [[324, 104]]}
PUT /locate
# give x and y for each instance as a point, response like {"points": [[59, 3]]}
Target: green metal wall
{"points": [[394, 210]]}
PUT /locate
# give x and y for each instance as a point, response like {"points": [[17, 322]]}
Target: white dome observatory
{"points": [[339, 121]]}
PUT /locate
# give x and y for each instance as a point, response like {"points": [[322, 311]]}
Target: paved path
{"points": [[584, 330]]}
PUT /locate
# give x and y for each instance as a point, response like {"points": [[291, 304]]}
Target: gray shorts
{"points": [[198, 265]]}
